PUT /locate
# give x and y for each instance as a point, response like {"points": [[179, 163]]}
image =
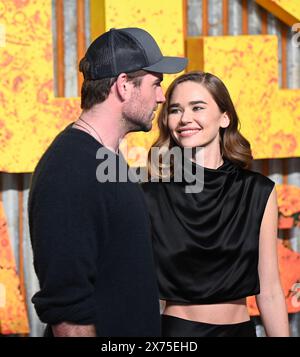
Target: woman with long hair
{"points": [[216, 247]]}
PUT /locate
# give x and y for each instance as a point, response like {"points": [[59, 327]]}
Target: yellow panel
{"points": [[2, 36], [30, 116], [164, 20], [97, 16], [195, 53], [13, 315], [288, 198], [287, 11], [248, 65]]}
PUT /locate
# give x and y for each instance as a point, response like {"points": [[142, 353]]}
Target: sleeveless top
{"points": [[206, 244]]}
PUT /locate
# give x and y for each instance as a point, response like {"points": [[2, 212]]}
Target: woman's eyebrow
{"points": [[197, 102], [193, 102]]}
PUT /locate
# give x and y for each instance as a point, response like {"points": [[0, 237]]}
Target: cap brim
{"points": [[168, 65]]}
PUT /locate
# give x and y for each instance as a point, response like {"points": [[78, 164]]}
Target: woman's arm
{"points": [[271, 300]]}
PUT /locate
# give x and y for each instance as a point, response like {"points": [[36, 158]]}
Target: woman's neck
{"points": [[208, 157]]}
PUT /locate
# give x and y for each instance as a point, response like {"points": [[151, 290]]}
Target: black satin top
{"points": [[206, 244]]}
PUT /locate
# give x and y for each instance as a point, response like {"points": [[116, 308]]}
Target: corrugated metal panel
{"points": [[235, 17], [71, 66], [274, 167]]}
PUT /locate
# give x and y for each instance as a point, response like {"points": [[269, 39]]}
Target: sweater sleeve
{"points": [[64, 234]]}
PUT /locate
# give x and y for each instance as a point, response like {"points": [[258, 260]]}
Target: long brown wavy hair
{"points": [[233, 145]]}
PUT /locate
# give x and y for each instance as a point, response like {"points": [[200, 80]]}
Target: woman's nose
{"points": [[185, 117]]}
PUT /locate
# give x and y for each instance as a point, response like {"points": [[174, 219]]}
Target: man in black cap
{"points": [[91, 239]]}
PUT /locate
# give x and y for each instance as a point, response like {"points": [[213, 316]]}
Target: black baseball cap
{"points": [[128, 50]]}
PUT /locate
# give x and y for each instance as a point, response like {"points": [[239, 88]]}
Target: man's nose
{"points": [[160, 98]]}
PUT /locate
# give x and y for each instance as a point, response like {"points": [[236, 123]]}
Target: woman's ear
{"points": [[225, 120], [123, 86]]}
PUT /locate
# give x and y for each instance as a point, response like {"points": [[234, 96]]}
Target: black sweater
{"points": [[91, 243]]}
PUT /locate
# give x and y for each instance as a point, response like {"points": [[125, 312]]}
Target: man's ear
{"points": [[123, 86], [225, 120]]}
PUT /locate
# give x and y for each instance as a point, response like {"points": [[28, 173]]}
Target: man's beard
{"points": [[135, 123], [135, 118]]}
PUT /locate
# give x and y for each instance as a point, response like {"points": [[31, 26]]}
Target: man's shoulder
{"points": [[65, 162], [70, 147]]}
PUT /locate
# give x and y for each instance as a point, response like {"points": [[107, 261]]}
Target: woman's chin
{"points": [[191, 144]]}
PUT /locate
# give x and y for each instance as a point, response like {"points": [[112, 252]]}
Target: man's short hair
{"points": [[96, 91]]}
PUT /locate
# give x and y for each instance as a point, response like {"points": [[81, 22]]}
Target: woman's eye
{"points": [[173, 111], [195, 109]]}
